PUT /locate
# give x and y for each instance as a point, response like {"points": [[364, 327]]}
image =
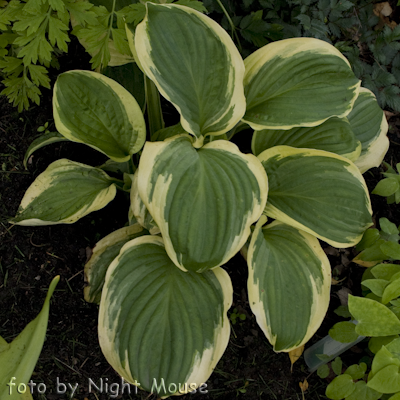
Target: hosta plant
{"points": [[164, 296]]}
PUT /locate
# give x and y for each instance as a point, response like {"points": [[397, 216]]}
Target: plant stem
{"points": [[132, 166], [233, 28], [154, 112]]}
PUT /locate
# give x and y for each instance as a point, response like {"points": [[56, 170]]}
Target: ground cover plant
{"points": [[242, 385], [376, 315]]}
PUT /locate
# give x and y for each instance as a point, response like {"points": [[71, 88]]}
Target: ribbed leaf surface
{"points": [[158, 324], [289, 284], [195, 65], [65, 192], [297, 82], [203, 201], [369, 124], [334, 135], [319, 192], [90, 108]]}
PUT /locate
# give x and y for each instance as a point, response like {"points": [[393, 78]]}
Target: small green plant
{"points": [[235, 315], [382, 324], [164, 297], [390, 186], [378, 245], [378, 317]]}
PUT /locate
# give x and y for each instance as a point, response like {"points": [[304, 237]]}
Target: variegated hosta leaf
{"points": [[139, 210], [65, 192], [334, 135], [103, 254], [90, 108], [289, 283], [297, 82], [369, 124], [159, 325], [319, 192], [195, 65], [41, 141], [203, 201]]}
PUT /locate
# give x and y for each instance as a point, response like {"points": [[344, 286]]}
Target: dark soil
{"points": [[31, 256]]}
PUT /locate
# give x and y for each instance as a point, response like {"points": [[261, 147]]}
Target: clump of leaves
{"points": [[389, 186], [378, 315], [378, 245], [236, 315]]}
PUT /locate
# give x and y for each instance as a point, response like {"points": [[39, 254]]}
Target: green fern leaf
{"points": [[81, 12], [10, 13], [121, 41], [57, 34], [34, 7], [57, 5], [135, 13], [11, 65], [39, 75], [29, 24]]}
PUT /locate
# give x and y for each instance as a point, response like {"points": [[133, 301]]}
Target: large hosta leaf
{"points": [[319, 192], [65, 192], [297, 82], [90, 108], [203, 201], [289, 283], [103, 254], [195, 65], [334, 135], [158, 324], [369, 124]]}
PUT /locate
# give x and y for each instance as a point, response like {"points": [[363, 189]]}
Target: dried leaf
{"points": [[335, 282], [389, 114], [366, 264], [294, 355], [303, 385], [383, 9]]}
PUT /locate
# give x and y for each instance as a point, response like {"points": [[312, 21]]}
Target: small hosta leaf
{"points": [[93, 109], [65, 192]]}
